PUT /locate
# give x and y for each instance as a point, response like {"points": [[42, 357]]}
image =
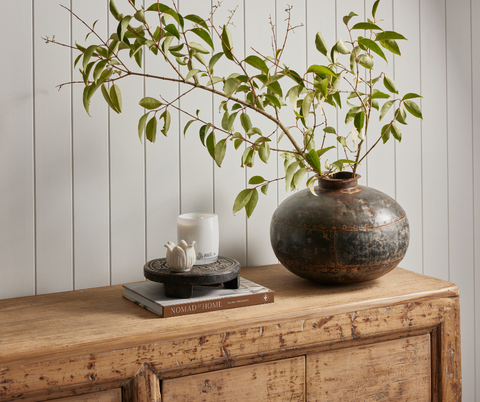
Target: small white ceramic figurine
{"points": [[182, 257]]}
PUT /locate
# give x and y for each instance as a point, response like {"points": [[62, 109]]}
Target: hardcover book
{"points": [[151, 296]]}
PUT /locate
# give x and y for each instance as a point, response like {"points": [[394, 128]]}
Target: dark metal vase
{"points": [[347, 233]]}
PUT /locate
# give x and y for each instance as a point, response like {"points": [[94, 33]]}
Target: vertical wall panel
{"points": [[475, 18], [127, 204], [320, 18], [460, 170], [381, 161], [17, 269], [90, 162], [162, 165], [408, 161], [230, 178], [343, 9], [53, 150], [294, 56], [196, 169], [434, 138], [260, 252]]}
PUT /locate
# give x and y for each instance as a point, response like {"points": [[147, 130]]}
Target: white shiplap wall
{"points": [[83, 203]]}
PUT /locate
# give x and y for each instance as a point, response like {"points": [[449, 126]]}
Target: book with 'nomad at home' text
{"points": [[151, 295]]}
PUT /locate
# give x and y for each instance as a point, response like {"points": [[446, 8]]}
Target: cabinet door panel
{"points": [[397, 370], [112, 395], [282, 380]]}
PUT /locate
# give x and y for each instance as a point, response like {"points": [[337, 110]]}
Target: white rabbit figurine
{"points": [[182, 257]]}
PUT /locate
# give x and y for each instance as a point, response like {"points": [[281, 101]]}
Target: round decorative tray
{"points": [[180, 284]]}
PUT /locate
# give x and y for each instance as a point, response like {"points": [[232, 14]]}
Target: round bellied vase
{"points": [[346, 233]]}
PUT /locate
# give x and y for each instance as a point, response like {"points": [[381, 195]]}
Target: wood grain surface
{"points": [[279, 381], [397, 370]]}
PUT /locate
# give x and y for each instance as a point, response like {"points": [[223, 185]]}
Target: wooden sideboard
{"points": [[393, 339]]}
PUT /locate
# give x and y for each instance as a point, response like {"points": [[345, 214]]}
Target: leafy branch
{"points": [[186, 44]]}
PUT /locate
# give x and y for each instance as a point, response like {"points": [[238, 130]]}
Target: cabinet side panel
{"points": [[278, 381], [397, 370]]}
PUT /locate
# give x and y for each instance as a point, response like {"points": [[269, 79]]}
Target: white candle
{"points": [[203, 229]]}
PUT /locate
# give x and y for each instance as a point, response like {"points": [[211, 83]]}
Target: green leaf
{"points": [[231, 84], [390, 84], [348, 17], [246, 122], [114, 11], [87, 55], [329, 130], [172, 29], [264, 152], [198, 47], [320, 152], [214, 80], [167, 120], [341, 48], [401, 116], [252, 203], [379, 95], [359, 120], [211, 144], [191, 73], [298, 177], [320, 44], [411, 95], [311, 184], [220, 150], [256, 180], [365, 60], [197, 20], [116, 98], [237, 143], [367, 26], [385, 108], [242, 199], [140, 16], [397, 134], [257, 62], [106, 96], [290, 171], [413, 108], [307, 103], [293, 96], [273, 100], [87, 95], [187, 126], [372, 46], [313, 160], [386, 133], [151, 130], [150, 103], [389, 35], [342, 140], [141, 125], [264, 189], [374, 8], [321, 70], [204, 35], [200, 58], [391, 46], [122, 27], [98, 70], [213, 60], [227, 43]]}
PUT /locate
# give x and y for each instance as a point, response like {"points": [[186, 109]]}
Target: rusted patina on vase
{"points": [[347, 233]]}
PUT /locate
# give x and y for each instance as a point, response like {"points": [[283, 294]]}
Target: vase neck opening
{"points": [[338, 181]]}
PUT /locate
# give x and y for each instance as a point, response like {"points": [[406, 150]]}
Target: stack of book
{"points": [[151, 296]]}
